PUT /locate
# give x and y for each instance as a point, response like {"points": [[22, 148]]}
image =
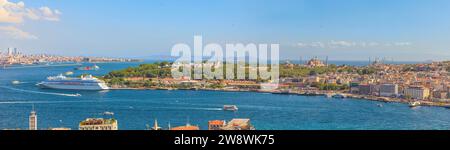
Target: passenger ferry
{"points": [[414, 104], [230, 108], [339, 96], [83, 83]]}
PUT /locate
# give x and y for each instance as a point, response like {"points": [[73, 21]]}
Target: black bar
{"points": [[281, 138]]}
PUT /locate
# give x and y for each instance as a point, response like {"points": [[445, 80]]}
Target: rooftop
{"points": [[187, 127], [238, 124], [98, 121], [216, 122]]}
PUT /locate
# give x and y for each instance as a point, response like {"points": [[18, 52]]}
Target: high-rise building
{"points": [[98, 124], [33, 120], [9, 53]]}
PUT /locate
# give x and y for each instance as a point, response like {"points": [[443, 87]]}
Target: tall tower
{"points": [[9, 53], [33, 120]]}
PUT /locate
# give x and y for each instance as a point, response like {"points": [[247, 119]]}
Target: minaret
{"points": [[155, 126], [33, 120], [188, 122]]}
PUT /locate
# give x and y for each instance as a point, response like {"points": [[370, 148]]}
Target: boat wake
{"points": [[37, 92], [42, 102], [190, 108], [18, 82]]}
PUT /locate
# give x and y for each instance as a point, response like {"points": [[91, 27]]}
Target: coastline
{"points": [[348, 96]]}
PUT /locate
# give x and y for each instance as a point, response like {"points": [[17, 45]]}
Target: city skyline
{"points": [[343, 30]]}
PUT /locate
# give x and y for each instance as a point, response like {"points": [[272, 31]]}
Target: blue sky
{"points": [[341, 29]]}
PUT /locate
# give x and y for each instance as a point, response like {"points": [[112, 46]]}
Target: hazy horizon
{"points": [[403, 30]]}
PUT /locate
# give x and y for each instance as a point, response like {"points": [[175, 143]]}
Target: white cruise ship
{"points": [[84, 83]]}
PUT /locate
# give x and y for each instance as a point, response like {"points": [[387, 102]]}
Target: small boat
{"points": [[414, 104], [328, 95], [15, 82], [95, 67], [108, 113], [230, 108], [69, 73], [380, 105], [283, 92], [340, 96]]}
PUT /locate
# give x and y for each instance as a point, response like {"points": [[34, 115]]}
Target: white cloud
{"points": [[16, 33], [11, 12], [15, 14], [317, 44], [402, 44], [350, 44], [337, 44], [49, 14]]}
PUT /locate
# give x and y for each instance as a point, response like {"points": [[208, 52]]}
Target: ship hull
{"points": [[93, 87]]}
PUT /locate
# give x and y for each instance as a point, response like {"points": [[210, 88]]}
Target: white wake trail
{"points": [[38, 92]]}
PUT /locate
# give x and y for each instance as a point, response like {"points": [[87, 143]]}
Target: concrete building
{"points": [[389, 90], [364, 89], [368, 89], [98, 124], [417, 92], [440, 94], [448, 91]]}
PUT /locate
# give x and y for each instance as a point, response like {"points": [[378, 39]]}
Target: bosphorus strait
{"points": [[135, 109]]}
